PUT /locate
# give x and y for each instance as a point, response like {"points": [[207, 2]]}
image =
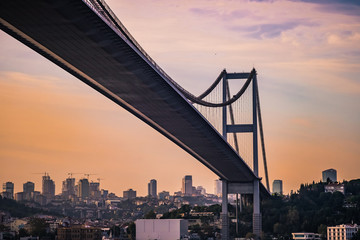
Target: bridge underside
{"points": [[73, 36]]}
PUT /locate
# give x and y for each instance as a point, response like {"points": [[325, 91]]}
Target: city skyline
{"points": [[72, 182], [51, 121], [186, 183]]}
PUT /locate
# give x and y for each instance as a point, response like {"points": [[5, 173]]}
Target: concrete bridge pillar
{"points": [[257, 223], [224, 213]]}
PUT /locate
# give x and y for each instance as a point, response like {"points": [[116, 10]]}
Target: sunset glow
{"points": [[307, 54]]}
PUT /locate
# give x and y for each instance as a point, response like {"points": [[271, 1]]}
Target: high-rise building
{"points": [[94, 191], [48, 187], [8, 190], [152, 188], [83, 188], [129, 194], [278, 187], [187, 185], [329, 174], [28, 188], [68, 188], [218, 187]]}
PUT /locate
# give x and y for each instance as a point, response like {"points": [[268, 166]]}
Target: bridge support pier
{"points": [[257, 223], [224, 212]]}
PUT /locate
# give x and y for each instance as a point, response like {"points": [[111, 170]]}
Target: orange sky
{"points": [[308, 65]]}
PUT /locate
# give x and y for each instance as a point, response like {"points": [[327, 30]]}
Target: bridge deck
{"points": [[76, 38]]}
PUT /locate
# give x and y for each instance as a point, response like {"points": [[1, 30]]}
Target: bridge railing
{"points": [[100, 7]]}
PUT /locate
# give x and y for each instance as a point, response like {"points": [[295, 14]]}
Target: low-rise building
{"points": [[79, 232], [342, 232], [17, 224], [170, 229], [306, 236], [335, 187]]}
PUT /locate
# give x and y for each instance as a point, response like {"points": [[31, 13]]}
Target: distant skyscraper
{"points": [[48, 187], [8, 190], [278, 187], [329, 174], [187, 185], [83, 188], [28, 187], [152, 188], [218, 188], [68, 188], [94, 191], [129, 194]]}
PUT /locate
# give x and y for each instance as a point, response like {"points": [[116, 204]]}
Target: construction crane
{"points": [[71, 174], [100, 179], [44, 173], [87, 175]]}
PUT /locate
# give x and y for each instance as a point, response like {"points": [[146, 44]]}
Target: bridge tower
{"points": [[243, 187]]}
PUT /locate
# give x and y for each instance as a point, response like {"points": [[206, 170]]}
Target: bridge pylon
{"points": [[241, 187]]}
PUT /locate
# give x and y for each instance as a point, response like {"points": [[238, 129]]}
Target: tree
{"points": [[356, 236], [116, 231], [131, 231], [250, 235], [150, 215], [23, 232], [293, 216], [278, 228], [4, 228], [322, 229], [38, 227]]}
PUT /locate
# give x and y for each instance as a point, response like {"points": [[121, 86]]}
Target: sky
{"points": [[307, 55]]}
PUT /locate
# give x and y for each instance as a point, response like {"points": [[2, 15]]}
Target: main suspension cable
{"points": [[262, 138], [195, 99]]}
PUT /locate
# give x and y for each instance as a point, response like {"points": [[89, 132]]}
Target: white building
{"points": [[342, 232], [306, 236], [169, 229], [218, 188], [334, 187]]}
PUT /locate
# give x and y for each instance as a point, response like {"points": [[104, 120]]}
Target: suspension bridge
{"points": [[219, 128]]}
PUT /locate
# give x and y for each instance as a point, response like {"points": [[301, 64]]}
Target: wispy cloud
{"points": [[271, 30]]}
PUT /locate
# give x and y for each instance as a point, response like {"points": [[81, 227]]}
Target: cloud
{"points": [[224, 15], [348, 2], [347, 7], [203, 12], [271, 30]]}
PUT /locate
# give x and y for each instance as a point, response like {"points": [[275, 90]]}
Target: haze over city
{"points": [[308, 66]]}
